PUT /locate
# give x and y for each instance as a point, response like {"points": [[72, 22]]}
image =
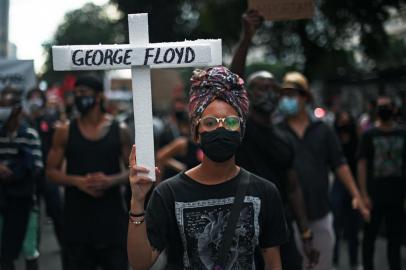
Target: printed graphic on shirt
{"points": [[202, 225], [388, 158]]}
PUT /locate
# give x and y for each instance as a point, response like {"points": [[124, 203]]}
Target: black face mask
{"points": [[385, 112], [266, 103], [85, 103], [220, 145]]}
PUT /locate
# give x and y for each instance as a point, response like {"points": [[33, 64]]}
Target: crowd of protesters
{"points": [[308, 184]]}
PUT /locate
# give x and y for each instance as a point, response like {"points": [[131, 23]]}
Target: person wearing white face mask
{"points": [[317, 150], [39, 119], [5, 113], [20, 164]]}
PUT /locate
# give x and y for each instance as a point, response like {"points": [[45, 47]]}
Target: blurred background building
{"points": [[4, 10]]}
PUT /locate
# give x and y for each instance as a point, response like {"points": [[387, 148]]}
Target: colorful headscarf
{"points": [[216, 83]]}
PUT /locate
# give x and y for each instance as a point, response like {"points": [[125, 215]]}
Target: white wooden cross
{"points": [[140, 56]]}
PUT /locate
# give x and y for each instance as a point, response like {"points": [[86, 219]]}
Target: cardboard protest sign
{"points": [[281, 10], [140, 56], [17, 73]]}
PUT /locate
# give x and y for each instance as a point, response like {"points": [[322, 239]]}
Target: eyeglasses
{"points": [[210, 123]]}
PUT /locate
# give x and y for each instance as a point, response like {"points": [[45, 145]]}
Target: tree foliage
{"points": [[87, 25], [322, 46], [162, 17]]}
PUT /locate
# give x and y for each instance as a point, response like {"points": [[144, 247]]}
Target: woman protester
{"points": [[214, 215]]}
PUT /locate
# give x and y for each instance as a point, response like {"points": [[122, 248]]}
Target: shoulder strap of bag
{"points": [[232, 220]]}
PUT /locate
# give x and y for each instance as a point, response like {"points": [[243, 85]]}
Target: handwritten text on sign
{"points": [[119, 56], [124, 56], [140, 56]]}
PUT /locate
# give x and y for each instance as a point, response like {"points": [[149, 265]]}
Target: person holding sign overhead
{"points": [[214, 215], [265, 150], [94, 146]]}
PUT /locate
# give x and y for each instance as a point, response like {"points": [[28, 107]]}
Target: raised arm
{"points": [[251, 21], [141, 255]]}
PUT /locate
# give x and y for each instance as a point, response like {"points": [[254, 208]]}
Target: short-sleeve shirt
{"points": [[316, 154], [188, 219], [385, 154], [265, 151]]}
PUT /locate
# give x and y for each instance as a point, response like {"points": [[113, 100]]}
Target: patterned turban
{"points": [[216, 83]]}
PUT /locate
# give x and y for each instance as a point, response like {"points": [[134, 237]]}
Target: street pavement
{"points": [[50, 256]]}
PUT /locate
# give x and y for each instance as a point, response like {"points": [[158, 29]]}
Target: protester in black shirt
{"points": [[317, 152], [188, 214], [264, 150], [94, 146], [381, 173]]}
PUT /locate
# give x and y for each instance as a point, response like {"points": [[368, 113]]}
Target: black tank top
{"points": [[100, 220]]}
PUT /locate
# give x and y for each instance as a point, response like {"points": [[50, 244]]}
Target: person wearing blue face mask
{"points": [[295, 95], [289, 105], [317, 149]]}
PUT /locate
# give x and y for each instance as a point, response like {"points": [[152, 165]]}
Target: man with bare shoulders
{"points": [[94, 146]]}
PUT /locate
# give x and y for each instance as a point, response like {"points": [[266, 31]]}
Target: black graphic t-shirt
{"points": [[188, 219], [385, 154]]}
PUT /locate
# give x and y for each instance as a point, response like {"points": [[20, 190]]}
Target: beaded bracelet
{"points": [[136, 222]]}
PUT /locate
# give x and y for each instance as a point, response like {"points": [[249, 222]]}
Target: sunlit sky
{"points": [[32, 22]]}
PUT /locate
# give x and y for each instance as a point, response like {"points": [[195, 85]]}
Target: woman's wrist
{"points": [[136, 206], [136, 218]]}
